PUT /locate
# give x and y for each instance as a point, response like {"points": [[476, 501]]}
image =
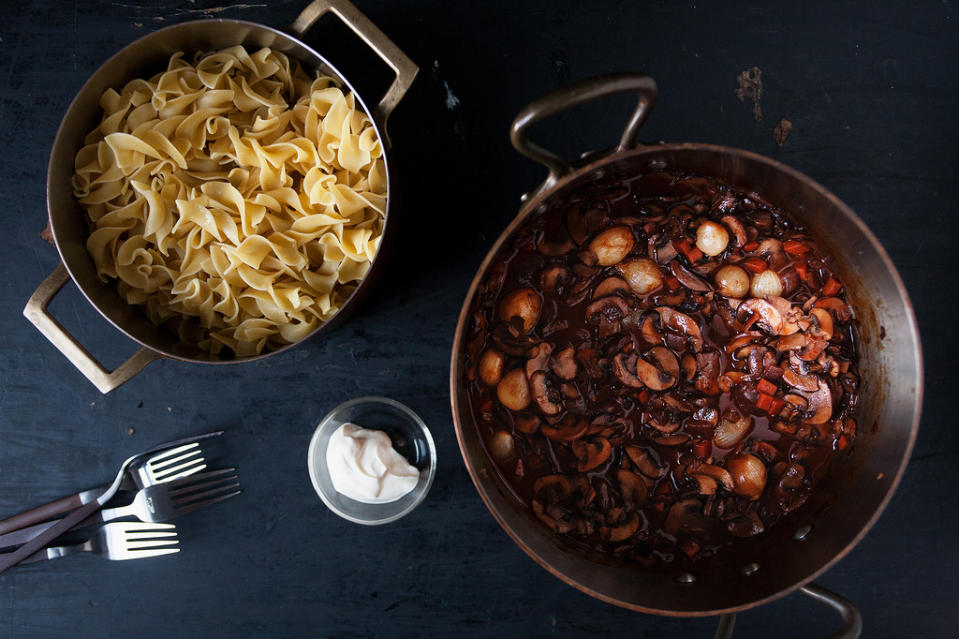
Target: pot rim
{"points": [[598, 163], [354, 298]]}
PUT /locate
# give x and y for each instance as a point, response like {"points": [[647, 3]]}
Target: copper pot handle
{"points": [[851, 619], [104, 380], [573, 95], [404, 68]]}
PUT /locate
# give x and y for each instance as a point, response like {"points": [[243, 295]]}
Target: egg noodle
{"points": [[236, 191]]}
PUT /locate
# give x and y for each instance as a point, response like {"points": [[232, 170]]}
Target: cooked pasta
{"points": [[235, 192]]}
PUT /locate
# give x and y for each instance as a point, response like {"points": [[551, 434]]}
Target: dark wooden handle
{"points": [[9, 560], [40, 514]]}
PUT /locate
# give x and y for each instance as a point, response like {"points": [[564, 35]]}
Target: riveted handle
{"points": [[577, 94], [851, 619], [103, 379], [401, 64]]}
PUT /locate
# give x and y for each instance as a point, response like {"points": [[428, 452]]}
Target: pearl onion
{"points": [[642, 275], [766, 283], [732, 281], [712, 238]]}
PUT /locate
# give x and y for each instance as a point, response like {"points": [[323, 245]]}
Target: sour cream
{"points": [[364, 466]]}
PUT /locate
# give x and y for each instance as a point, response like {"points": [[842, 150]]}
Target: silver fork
{"points": [[166, 466], [120, 540]]}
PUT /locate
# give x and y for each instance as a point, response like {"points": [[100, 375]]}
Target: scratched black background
{"points": [[872, 91]]}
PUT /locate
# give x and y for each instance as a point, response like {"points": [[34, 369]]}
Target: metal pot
{"points": [[846, 505], [67, 220]]}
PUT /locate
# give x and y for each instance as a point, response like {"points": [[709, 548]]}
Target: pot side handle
{"points": [[851, 619], [573, 95], [104, 380], [401, 64]]}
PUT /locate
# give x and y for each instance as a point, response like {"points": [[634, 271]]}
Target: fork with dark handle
{"points": [[118, 541], [43, 539], [168, 465], [156, 503]]}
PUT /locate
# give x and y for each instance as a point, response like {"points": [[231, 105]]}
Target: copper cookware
{"points": [[142, 58], [848, 503]]}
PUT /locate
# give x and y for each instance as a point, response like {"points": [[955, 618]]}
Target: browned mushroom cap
{"points": [[813, 347], [684, 514], [732, 428], [612, 245], [663, 374], [623, 531], [526, 423], [491, 367], [718, 473], [649, 331], [682, 323], [592, 454], [581, 222], [687, 278], [554, 278], [763, 314], [791, 314], [564, 363], [641, 274], [737, 229], [552, 489], [674, 439], [688, 364], [523, 303], [559, 524], [742, 339], [632, 486], [747, 525], [707, 485], [589, 358], [666, 427], [570, 429], [513, 390], [645, 463], [840, 310], [501, 446], [612, 308], [543, 395], [554, 247], [611, 286], [707, 378], [794, 342], [820, 405], [624, 368], [824, 321], [749, 475], [537, 358], [808, 383]]}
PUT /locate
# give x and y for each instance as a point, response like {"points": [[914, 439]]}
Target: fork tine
{"points": [[149, 534], [159, 457], [144, 553], [173, 461], [190, 467], [188, 492], [194, 479], [186, 500], [139, 526], [148, 544], [202, 504]]}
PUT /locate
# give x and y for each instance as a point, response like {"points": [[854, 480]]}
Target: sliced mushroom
{"points": [[682, 323], [663, 427], [794, 342], [592, 454], [688, 364], [763, 314], [491, 367], [675, 439], [501, 446], [807, 383], [538, 358], [624, 368], [707, 485], [687, 278], [813, 347], [561, 526], [663, 374], [526, 423], [554, 279], [839, 309], [582, 222], [632, 486], [707, 378], [523, 303], [732, 428], [623, 531], [645, 462], [824, 320], [790, 314], [612, 245], [513, 390], [543, 395], [641, 274], [564, 363], [737, 229], [718, 473], [612, 308], [589, 358], [649, 331], [570, 429], [820, 405], [555, 247], [572, 398], [749, 475], [684, 514], [611, 286]]}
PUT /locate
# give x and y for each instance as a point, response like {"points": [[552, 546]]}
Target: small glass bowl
{"points": [[411, 438]]}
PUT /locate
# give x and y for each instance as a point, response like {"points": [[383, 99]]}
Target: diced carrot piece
{"points": [[765, 402], [831, 287], [694, 255], [672, 282], [684, 246], [750, 246], [767, 387], [643, 396], [777, 406], [803, 273], [689, 547], [702, 448], [795, 248], [842, 443], [755, 264]]}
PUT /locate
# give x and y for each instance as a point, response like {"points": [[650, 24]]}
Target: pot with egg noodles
{"points": [[219, 192], [629, 407]]}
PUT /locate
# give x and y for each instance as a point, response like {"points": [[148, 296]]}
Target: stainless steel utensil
{"points": [[12, 559], [155, 503], [118, 541], [166, 466]]}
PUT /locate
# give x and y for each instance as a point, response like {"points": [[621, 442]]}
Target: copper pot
{"points": [[847, 504], [67, 219]]}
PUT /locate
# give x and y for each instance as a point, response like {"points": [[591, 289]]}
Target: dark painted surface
{"points": [[872, 92]]}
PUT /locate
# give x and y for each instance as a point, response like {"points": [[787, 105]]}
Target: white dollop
{"points": [[364, 466]]}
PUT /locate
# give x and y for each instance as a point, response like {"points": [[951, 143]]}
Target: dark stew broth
{"points": [[662, 364]]}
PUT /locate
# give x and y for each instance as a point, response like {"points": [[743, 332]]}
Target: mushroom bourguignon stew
{"points": [[661, 365]]}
